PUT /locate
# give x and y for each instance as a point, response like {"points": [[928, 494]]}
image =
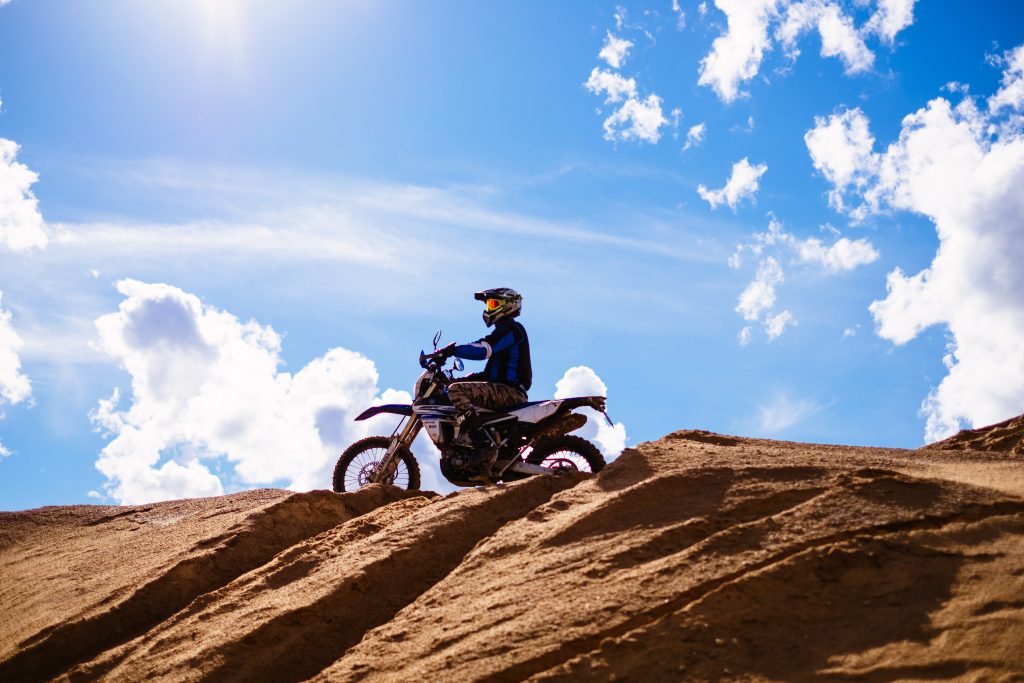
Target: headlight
{"points": [[418, 387]]}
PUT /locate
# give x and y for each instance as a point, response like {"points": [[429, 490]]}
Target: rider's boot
{"points": [[467, 430]]}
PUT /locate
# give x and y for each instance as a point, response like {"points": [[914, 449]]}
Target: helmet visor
{"points": [[494, 304]]}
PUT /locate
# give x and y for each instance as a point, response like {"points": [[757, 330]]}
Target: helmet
{"points": [[500, 303]]}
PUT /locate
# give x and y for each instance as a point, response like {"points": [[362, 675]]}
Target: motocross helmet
{"points": [[499, 303]]}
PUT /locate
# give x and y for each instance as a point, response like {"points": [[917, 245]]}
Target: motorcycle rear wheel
{"points": [[566, 452], [360, 460]]}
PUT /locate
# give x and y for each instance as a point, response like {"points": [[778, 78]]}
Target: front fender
{"points": [[395, 408]]}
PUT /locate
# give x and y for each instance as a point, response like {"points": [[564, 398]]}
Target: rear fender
{"points": [[596, 402], [540, 411], [394, 408]]}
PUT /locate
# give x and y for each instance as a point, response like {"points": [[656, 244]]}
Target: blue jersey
{"points": [[507, 351]]}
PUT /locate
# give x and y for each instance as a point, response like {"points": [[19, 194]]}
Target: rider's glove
{"points": [[442, 354]]}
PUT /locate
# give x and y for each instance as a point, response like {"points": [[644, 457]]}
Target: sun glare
{"points": [[222, 28]]}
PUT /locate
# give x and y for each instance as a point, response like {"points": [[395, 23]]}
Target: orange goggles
{"points": [[494, 304]]}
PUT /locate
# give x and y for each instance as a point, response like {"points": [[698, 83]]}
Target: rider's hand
{"points": [[442, 354], [446, 352]]}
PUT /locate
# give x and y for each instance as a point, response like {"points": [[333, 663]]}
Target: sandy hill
{"points": [[695, 557]]}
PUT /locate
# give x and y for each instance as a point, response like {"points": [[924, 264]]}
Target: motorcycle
{"points": [[521, 441]]}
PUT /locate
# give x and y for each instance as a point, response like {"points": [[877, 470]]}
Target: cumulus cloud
{"points": [[21, 224], [962, 168], [760, 293], [891, 17], [636, 119], [768, 247], [695, 136], [842, 255], [839, 38], [1011, 94], [775, 325], [743, 182], [745, 335], [841, 148], [736, 55], [210, 407], [14, 385], [615, 51], [612, 85], [753, 27], [583, 381]]}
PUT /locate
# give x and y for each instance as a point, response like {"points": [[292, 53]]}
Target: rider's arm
{"points": [[478, 350]]}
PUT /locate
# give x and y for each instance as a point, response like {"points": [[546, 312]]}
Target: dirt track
{"points": [[696, 557]]}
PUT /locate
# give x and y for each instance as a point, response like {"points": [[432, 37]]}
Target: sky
{"points": [[226, 228]]}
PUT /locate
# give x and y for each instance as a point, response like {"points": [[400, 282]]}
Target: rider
{"points": [[507, 376]]}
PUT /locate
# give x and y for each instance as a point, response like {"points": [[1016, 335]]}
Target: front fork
{"points": [[403, 436]]}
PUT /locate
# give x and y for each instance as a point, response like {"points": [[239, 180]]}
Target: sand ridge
{"points": [[696, 557]]}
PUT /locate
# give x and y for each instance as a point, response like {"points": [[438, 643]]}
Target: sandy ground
{"points": [[695, 557]]}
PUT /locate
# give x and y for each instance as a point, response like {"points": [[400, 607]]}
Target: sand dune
{"points": [[696, 557]]}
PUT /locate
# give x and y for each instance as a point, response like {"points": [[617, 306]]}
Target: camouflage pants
{"points": [[491, 395]]}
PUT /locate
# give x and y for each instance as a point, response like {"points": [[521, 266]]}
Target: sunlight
{"points": [[222, 27]]}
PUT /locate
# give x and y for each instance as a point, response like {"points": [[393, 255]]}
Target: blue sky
{"points": [[791, 219]]}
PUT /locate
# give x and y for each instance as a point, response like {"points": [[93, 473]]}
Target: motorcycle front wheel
{"points": [[360, 461], [566, 452]]}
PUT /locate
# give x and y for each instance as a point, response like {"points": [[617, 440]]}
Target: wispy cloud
{"points": [[783, 412], [326, 217]]}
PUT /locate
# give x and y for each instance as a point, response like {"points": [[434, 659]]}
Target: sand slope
{"points": [[698, 557]]}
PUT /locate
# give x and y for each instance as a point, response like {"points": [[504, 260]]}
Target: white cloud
{"points": [[891, 17], [736, 56], [1011, 94], [742, 183], [583, 381], [783, 412], [747, 127], [842, 255], [21, 224], [14, 386], [839, 38], [695, 136], [206, 390], [680, 15], [760, 293], [611, 84], [962, 169], [702, 8], [841, 148], [615, 51], [775, 325], [636, 120], [745, 335]]}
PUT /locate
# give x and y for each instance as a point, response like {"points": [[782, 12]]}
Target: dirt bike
{"points": [[521, 441]]}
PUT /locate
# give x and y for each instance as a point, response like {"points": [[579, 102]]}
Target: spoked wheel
{"points": [[567, 453], [360, 461]]}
